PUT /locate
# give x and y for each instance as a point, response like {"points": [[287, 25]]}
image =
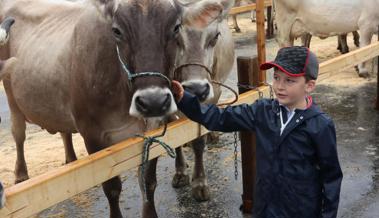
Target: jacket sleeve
{"points": [[330, 170], [232, 118]]}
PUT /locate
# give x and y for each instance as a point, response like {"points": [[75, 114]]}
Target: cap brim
{"points": [[269, 65]]}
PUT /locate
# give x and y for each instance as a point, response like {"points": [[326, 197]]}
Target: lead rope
{"points": [[148, 141]]}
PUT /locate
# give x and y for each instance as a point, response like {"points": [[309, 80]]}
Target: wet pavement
{"points": [[357, 124]]}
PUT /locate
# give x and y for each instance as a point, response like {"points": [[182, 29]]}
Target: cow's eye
{"points": [[177, 28], [116, 32], [213, 41]]}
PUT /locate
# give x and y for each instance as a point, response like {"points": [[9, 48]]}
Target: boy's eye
{"points": [[290, 81]]}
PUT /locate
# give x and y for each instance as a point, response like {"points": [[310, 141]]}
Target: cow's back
{"points": [[323, 18], [40, 40]]}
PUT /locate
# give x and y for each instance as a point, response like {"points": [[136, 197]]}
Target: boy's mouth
{"points": [[281, 95]]}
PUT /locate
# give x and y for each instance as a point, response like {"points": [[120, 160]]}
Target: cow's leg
{"points": [[253, 16], [18, 125], [356, 38], [200, 189], [150, 176], [235, 24], [112, 187], [365, 39], [18, 132], [306, 40], [68, 147], [339, 46], [181, 177], [284, 38], [342, 44], [2, 196]]}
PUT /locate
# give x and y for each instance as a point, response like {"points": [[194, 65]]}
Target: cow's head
{"points": [[147, 33], [195, 58]]}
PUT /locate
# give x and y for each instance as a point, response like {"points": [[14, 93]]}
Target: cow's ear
{"points": [[106, 7], [201, 13], [227, 4]]}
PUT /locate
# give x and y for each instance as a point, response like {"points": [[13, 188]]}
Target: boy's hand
{"points": [[177, 90]]}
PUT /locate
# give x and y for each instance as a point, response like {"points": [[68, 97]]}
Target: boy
{"points": [[298, 172]]}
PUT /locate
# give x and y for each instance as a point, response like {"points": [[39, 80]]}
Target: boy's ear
{"points": [[310, 86]]}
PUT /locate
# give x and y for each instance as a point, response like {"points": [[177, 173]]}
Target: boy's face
{"points": [[292, 91]]}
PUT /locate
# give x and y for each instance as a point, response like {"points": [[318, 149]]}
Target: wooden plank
{"points": [[248, 8], [348, 60], [41, 192], [261, 38]]}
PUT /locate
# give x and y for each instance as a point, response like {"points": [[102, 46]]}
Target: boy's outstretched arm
{"points": [[229, 119], [330, 169]]}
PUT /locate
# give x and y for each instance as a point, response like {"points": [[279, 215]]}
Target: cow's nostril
{"points": [[167, 102], [205, 92], [141, 104]]}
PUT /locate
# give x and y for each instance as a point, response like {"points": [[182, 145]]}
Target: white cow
{"points": [[324, 18]]}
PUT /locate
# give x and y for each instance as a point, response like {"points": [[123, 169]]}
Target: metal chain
{"points": [[235, 156], [260, 93]]}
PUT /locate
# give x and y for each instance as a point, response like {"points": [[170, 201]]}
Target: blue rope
{"points": [[148, 141]]}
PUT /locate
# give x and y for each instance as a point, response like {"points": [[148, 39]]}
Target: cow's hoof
{"points": [[363, 73], [148, 211], [71, 159], [201, 192], [213, 138], [21, 178], [180, 180]]}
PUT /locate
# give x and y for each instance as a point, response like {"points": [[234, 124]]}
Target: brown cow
{"points": [[203, 56], [69, 76]]}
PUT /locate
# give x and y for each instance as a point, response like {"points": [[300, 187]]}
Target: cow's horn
{"points": [[4, 29]]}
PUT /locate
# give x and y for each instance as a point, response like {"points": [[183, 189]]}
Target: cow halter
{"points": [[131, 76], [211, 75]]}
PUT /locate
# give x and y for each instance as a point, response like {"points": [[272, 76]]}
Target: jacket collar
{"points": [[311, 110], [301, 115]]}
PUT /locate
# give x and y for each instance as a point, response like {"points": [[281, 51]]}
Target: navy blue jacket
{"points": [[298, 172]]}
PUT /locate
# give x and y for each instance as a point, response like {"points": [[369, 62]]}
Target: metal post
{"points": [[248, 74]]}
